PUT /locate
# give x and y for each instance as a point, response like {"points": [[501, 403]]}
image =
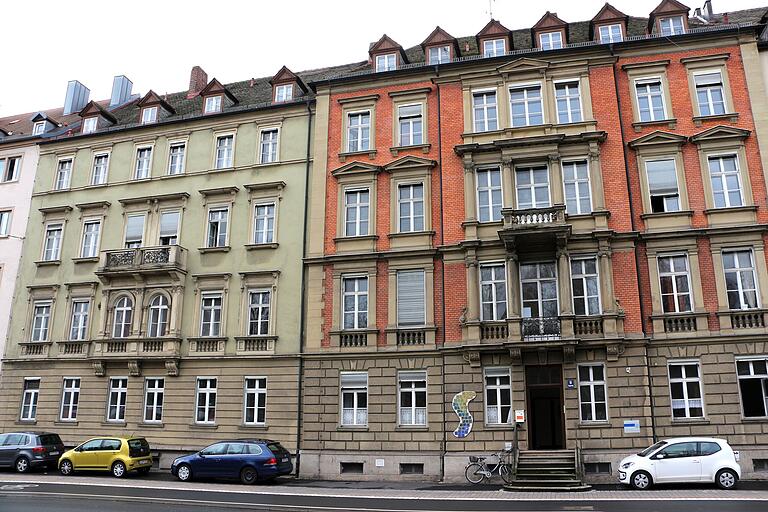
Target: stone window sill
{"points": [[408, 234], [151, 425], [205, 250], [25, 422], [729, 116], [256, 247], [343, 239], [690, 421], [94, 259], [670, 123], [731, 209], [48, 263], [352, 428], [113, 424], [349, 154], [416, 428], [203, 426], [679, 213], [72, 423], [243, 426], [763, 419], [594, 424], [395, 150]]}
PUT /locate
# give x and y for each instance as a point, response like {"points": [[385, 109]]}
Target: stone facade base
{"points": [[362, 466]]}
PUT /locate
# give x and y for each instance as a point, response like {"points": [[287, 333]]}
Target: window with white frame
{"points": [[9, 168], [672, 26], [585, 286], [134, 231], [685, 389], [578, 196], [159, 310], [91, 236], [489, 195], [675, 283], [154, 395], [122, 317], [212, 104], [592, 392], [169, 227], [210, 314], [753, 386], [70, 398], [356, 210], [218, 221], [726, 182], [100, 167], [355, 302], [255, 401], [268, 145], [494, 47], [709, 93], [30, 394], [611, 33], [143, 162], [411, 298], [539, 290], [5, 222], [493, 292], [410, 206], [526, 105], [224, 151], [258, 312], [264, 223], [90, 124], [440, 54], [413, 398], [78, 328], [485, 111], [650, 99], [662, 185], [177, 158], [63, 174], [118, 394], [532, 185], [358, 131], [41, 320], [568, 98], [283, 93], [740, 283], [498, 396], [354, 399], [206, 400], [52, 243], [149, 115], [551, 40], [39, 128], [410, 124], [386, 62]]}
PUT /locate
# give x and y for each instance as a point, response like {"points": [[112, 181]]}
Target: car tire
{"points": [[143, 471], [184, 473], [726, 479], [641, 480], [118, 469], [248, 475], [21, 465], [66, 468]]}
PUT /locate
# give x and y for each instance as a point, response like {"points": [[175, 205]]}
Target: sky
{"points": [[155, 43]]}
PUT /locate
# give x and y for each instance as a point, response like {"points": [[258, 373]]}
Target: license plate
{"points": [[285, 459], [53, 453], [143, 462]]}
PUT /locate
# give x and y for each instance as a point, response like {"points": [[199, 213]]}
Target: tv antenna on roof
{"points": [[490, 8]]}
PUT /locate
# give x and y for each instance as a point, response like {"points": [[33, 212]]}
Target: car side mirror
{"points": [[79, 449], [201, 454], [659, 456]]}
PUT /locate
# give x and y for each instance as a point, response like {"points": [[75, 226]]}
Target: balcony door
{"points": [[538, 283]]}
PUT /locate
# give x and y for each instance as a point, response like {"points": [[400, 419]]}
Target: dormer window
{"points": [[38, 128], [212, 104], [149, 115], [611, 33], [439, 54], [494, 48], [386, 62], [672, 26], [283, 93], [551, 40], [90, 124]]}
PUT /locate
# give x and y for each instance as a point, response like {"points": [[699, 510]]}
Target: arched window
{"points": [[121, 326], [158, 316]]}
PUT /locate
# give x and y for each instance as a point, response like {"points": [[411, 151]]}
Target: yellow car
{"points": [[116, 454]]}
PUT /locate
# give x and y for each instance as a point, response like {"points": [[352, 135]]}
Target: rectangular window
{"points": [[149, 115], [143, 161], [78, 330], [592, 392], [709, 93], [264, 223], [118, 394], [740, 283], [355, 302], [439, 54], [662, 185], [568, 102], [685, 388], [29, 399], [268, 146], [52, 247], [726, 183], [39, 128], [354, 399], [494, 48], [611, 33], [489, 195], [526, 105], [532, 184], [100, 166], [210, 314], [356, 209], [90, 124], [206, 401], [493, 292], [539, 290], [258, 312], [218, 220], [675, 283], [169, 227], [410, 123], [134, 231], [410, 205], [176, 158], [154, 394], [224, 146], [41, 320], [411, 298], [650, 100], [586, 286], [255, 400], [551, 40], [386, 62], [485, 111], [578, 200], [498, 396], [672, 26], [212, 104], [283, 93], [70, 397], [63, 174], [753, 386], [91, 235], [413, 398], [358, 131], [5, 223], [9, 168]]}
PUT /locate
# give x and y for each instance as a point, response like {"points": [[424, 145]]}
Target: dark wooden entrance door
{"points": [[545, 407]]}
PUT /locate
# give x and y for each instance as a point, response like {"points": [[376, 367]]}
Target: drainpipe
{"points": [[637, 256], [442, 267]]}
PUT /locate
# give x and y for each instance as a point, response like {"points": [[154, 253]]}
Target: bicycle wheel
{"points": [[475, 473], [506, 473]]}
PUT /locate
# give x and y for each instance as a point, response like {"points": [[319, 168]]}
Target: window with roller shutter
{"points": [[411, 300]]}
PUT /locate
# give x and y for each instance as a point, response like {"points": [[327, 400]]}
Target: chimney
{"points": [[708, 9], [121, 90], [77, 97], [198, 79]]}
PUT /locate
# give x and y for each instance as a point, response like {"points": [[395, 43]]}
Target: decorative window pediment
{"points": [[522, 65], [94, 111], [439, 38], [152, 99], [409, 162], [718, 133], [356, 168], [287, 77], [665, 9], [549, 23], [41, 118], [658, 138], [606, 16], [387, 45], [493, 30], [215, 88]]}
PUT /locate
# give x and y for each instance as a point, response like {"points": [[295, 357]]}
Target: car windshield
{"points": [[652, 448]]}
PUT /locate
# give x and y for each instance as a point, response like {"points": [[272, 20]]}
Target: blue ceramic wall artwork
{"points": [[461, 408]]}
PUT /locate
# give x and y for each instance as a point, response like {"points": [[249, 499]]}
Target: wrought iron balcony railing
{"points": [[143, 259], [541, 328]]}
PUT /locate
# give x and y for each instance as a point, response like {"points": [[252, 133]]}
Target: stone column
{"points": [[556, 180], [473, 288], [606, 277], [564, 280], [470, 200], [513, 289], [508, 184]]}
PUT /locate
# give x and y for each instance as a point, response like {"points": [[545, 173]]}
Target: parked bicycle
{"points": [[483, 468]]}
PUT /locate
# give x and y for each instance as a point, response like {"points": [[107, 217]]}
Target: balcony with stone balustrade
{"points": [[160, 260]]}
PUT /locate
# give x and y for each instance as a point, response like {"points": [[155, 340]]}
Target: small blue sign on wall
{"points": [[631, 426]]}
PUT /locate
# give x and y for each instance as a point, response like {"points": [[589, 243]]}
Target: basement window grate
{"points": [[597, 468], [411, 468], [351, 468], [760, 465]]}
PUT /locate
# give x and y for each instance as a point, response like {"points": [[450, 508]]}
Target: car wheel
{"points": [[726, 479], [143, 471], [184, 473], [66, 468], [22, 465], [118, 469], [248, 476], [641, 480]]}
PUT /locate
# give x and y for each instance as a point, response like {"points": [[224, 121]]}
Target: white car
{"points": [[682, 459]]}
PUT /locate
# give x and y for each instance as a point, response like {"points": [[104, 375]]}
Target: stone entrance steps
{"points": [[547, 470]]}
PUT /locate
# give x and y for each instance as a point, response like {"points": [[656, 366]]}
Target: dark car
{"points": [[26, 450], [247, 459]]}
